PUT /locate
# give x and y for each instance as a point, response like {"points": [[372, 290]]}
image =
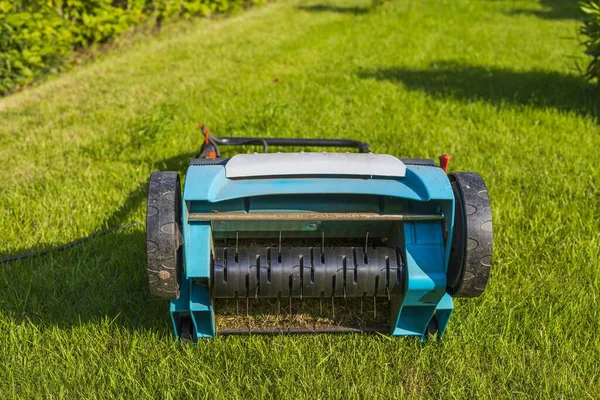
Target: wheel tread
{"points": [[163, 225], [470, 190]]}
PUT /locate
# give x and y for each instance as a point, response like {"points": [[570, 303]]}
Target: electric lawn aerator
{"points": [[326, 226]]}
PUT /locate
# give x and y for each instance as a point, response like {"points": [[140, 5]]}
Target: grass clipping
{"points": [[301, 314]]}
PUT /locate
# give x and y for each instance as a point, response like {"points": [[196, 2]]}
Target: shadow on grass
{"points": [[497, 86], [104, 277], [335, 9], [555, 10]]}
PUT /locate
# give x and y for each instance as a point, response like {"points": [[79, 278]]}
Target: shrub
{"points": [[33, 41], [95, 21], [591, 30], [38, 36]]}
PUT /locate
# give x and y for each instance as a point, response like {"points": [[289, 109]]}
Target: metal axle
{"points": [[312, 216]]}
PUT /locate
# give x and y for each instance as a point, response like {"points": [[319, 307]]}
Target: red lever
{"points": [[204, 131], [444, 160]]}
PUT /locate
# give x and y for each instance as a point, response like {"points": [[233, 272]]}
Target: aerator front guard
{"points": [[434, 233]]}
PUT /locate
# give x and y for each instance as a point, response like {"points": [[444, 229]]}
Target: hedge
{"points": [[38, 37], [591, 31]]}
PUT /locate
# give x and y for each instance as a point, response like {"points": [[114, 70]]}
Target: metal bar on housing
{"points": [[312, 216]]}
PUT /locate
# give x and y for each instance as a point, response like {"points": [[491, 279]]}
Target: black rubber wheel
{"points": [[163, 235], [471, 255]]}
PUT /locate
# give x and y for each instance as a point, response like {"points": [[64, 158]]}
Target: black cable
{"points": [[67, 245]]}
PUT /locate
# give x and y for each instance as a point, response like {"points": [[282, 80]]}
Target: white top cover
{"points": [[282, 164]]}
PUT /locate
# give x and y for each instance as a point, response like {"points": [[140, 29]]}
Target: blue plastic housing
{"points": [[425, 245]]}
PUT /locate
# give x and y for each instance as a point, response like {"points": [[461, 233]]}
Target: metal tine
{"points": [[366, 243], [387, 289], [248, 317], [278, 305], [322, 242], [332, 308], [258, 262], [321, 305], [237, 239], [301, 265], [290, 306], [212, 248], [237, 305], [279, 251], [374, 306]]}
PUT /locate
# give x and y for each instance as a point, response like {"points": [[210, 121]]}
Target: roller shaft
{"points": [[306, 272]]}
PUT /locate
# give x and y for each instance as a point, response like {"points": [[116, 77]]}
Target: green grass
{"points": [[491, 82]]}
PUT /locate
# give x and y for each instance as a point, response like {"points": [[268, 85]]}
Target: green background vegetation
{"points": [[591, 34], [492, 83], [38, 36]]}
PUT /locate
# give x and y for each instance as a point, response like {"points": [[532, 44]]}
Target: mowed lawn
{"points": [[493, 83]]}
